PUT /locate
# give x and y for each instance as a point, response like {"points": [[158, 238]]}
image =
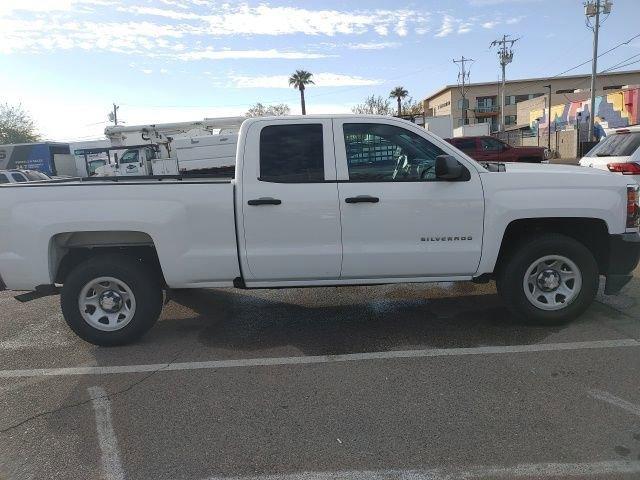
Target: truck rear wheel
{"points": [[111, 299], [549, 279]]}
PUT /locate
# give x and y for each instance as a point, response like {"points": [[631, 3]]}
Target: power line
{"points": [[626, 42]]}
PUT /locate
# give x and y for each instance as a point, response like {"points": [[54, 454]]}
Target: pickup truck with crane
{"points": [[321, 201]]}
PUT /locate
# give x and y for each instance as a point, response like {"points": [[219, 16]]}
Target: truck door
{"points": [[289, 202], [130, 163], [398, 219]]}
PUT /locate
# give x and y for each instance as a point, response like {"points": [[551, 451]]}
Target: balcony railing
{"points": [[487, 109]]}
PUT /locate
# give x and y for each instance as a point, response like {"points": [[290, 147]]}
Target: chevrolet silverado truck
{"points": [[321, 201]]}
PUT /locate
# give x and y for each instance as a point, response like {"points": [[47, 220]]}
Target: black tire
{"points": [[142, 281], [511, 274]]}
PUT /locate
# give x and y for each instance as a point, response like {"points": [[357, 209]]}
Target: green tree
{"points": [[300, 80], [16, 126], [373, 105], [412, 108], [399, 93], [259, 110]]}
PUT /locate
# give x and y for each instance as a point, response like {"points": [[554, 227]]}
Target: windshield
{"points": [[130, 156], [95, 164], [34, 176], [619, 145]]}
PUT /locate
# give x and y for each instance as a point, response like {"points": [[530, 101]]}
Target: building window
{"points": [[510, 100], [510, 119], [613, 87], [466, 104]]}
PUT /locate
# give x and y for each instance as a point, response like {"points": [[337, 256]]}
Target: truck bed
{"points": [[188, 220]]}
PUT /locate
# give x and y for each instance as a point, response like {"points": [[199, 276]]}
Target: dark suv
{"points": [[490, 149]]}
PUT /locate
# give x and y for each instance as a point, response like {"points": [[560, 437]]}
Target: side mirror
{"points": [[448, 168]]}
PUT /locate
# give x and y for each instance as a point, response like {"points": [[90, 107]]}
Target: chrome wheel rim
{"points": [[107, 304], [552, 282]]}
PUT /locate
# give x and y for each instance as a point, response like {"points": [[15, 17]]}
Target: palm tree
{"points": [[399, 93], [300, 80]]}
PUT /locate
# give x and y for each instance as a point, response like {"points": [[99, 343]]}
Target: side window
{"points": [[466, 144], [18, 177], [130, 156], [3, 178], [385, 153], [491, 145], [292, 154]]}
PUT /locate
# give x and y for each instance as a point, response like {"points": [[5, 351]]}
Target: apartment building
{"points": [[482, 103]]}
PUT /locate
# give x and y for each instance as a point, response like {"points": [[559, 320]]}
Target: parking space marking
{"points": [[533, 470], [110, 455], [617, 401], [318, 359]]}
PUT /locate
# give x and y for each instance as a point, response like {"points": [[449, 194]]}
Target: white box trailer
{"points": [[440, 125], [473, 130], [212, 151]]}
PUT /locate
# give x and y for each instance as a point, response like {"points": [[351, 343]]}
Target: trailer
{"points": [[45, 157]]}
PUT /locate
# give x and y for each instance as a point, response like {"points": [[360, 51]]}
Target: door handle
{"points": [[362, 199], [265, 201]]}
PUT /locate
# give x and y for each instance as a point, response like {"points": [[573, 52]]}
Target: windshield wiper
{"points": [[603, 155]]}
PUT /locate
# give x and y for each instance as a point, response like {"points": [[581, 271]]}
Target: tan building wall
{"points": [[516, 91]]}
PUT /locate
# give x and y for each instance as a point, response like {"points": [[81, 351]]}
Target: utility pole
{"points": [[463, 77], [113, 115], [505, 54], [549, 119], [593, 9]]}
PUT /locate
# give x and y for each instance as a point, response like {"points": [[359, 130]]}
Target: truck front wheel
{"points": [[549, 279], [111, 299]]}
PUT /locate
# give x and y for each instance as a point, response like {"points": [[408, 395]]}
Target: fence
{"points": [[564, 143]]}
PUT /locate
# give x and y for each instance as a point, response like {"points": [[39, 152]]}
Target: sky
{"points": [[67, 61]]}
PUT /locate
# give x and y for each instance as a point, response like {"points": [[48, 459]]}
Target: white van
{"points": [[618, 152]]}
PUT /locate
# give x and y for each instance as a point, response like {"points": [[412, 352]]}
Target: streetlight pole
{"points": [[549, 119]]}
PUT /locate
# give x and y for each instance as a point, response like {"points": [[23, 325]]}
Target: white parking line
{"points": [[532, 470], [318, 359], [617, 401], [111, 464]]}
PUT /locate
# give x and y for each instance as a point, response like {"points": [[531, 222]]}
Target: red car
{"points": [[490, 149]]}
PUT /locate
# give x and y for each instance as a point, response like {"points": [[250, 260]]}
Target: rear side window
{"points": [[3, 178], [618, 145], [292, 154], [18, 177], [491, 145], [465, 144]]}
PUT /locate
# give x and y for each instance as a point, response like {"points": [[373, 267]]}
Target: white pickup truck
{"points": [[321, 201]]}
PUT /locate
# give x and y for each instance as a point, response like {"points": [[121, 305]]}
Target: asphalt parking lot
{"points": [[393, 382]]}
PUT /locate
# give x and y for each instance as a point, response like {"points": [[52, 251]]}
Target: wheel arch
{"points": [[593, 233], [69, 249]]}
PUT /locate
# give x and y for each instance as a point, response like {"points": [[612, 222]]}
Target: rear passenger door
{"points": [[291, 217]]}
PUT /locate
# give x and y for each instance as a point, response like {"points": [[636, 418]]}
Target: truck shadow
{"points": [[345, 320]]}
